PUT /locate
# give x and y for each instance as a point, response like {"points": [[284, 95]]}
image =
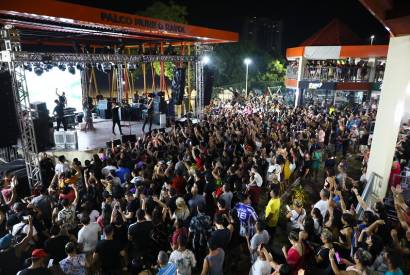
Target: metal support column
{"points": [[200, 52], [199, 81], [10, 45], [120, 83]]}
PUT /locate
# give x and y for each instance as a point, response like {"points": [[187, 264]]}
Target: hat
{"points": [[38, 253]]}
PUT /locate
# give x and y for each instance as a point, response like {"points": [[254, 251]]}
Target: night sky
{"points": [[302, 18]]}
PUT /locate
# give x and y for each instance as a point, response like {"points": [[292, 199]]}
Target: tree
{"points": [[228, 62], [275, 72], [170, 12], [168, 69]]}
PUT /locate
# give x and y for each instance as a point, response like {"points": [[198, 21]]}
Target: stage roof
{"points": [[336, 33], [57, 23]]}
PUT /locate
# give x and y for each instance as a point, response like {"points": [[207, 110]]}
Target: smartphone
{"points": [[338, 259]]}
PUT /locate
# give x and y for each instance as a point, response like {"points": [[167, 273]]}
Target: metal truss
{"points": [[10, 46], [199, 81], [96, 58], [120, 84], [200, 51]]}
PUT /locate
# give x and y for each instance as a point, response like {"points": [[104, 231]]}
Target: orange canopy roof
{"points": [[336, 33], [56, 16]]}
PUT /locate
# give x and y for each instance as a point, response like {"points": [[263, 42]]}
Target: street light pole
{"points": [[247, 61], [371, 39], [246, 81]]}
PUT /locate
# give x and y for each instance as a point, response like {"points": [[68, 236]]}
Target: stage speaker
{"points": [[39, 107], [8, 117], [208, 85], [178, 85], [116, 142], [130, 138], [43, 130]]}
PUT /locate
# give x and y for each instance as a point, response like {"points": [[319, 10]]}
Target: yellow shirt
{"points": [[272, 209]]}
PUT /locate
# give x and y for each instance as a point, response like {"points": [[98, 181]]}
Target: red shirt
{"points": [[178, 232], [178, 183], [199, 164], [254, 191], [70, 196]]}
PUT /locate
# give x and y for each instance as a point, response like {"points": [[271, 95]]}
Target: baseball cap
{"points": [[38, 253]]}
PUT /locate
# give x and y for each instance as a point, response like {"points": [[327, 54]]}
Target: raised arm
{"points": [[362, 203]]}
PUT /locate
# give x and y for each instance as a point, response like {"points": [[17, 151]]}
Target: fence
{"points": [[253, 85]]}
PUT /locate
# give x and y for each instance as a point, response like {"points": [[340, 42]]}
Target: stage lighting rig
{"points": [[28, 67], [38, 70], [71, 69], [62, 67]]}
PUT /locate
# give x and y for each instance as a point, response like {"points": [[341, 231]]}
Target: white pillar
{"points": [[301, 71], [395, 92]]}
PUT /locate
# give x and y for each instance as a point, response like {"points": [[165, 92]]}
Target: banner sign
{"points": [[134, 21], [312, 85]]}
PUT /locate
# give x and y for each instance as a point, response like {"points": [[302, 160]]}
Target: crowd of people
{"points": [[336, 70], [208, 198]]}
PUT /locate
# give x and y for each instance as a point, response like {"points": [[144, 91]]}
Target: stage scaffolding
{"points": [[15, 59]]}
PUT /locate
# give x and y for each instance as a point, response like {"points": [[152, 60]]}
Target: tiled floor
{"points": [[103, 133]]}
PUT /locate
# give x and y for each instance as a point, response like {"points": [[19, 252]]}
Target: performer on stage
{"points": [[150, 114], [61, 98], [116, 117], [59, 114], [87, 110]]}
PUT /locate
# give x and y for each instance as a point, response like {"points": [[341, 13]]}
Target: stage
{"points": [[92, 140]]}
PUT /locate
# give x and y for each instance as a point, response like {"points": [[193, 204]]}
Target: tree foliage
{"points": [[168, 69], [228, 62], [275, 72], [170, 12]]}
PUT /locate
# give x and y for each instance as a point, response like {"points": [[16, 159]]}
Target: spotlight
{"points": [[62, 67], [71, 69], [132, 67], [38, 70], [28, 67], [106, 67], [205, 59]]}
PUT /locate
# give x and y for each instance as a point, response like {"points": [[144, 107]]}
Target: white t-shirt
{"points": [[260, 268], [296, 218], [258, 179], [24, 229], [183, 260], [88, 236], [61, 168], [322, 206]]}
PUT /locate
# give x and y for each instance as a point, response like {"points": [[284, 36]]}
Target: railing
{"points": [[8, 153], [370, 192]]}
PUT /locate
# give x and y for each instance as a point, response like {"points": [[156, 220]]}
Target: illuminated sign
{"points": [[141, 22], [314, 86]]}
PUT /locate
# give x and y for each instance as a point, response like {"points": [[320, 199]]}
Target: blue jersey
{"points": [[246, 213]]}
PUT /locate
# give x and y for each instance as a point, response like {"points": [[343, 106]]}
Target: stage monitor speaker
{"points": [[208, 85], [130, 138], [116, 142], [8, 117], [178, 86]]}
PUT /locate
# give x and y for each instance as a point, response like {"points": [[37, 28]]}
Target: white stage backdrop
{"points": [[42, 88]]}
